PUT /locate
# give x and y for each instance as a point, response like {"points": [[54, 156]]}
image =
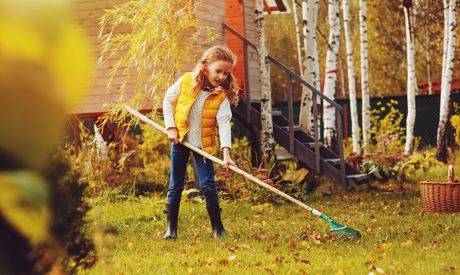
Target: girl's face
{"points": [[217, 72]]}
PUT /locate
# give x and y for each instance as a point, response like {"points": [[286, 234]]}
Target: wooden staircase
{"points": [[306, 148]]}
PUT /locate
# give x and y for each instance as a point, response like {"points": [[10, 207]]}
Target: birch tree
{"points": [[312, 76], [351, 78], [365, 102], [448, 67], [298, 37], [410, 121], [267, 140], [312, 59], [331, 71], [446, 37], [428, 49], [306, 98]]}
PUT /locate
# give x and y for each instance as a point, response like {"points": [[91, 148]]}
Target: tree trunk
{"points": [[446, 38], [441, 146], [298, 38], [428, 52], [312, 59], [365, 94], [305, 116], [410, 121], [351, 79], [266, 133], [330, 130]]}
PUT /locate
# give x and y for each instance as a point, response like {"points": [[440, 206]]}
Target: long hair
{"points": [[217, 53]]}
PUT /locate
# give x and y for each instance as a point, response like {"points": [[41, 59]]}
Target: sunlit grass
{"points": [[397, 237]]}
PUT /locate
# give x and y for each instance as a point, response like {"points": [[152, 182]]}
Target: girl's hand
{"points": [[227, 159], [173, 134]]}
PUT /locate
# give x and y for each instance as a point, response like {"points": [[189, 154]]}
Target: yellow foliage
{"points": [[154, 50], [23, 203], [45, 67], [455, 121]]}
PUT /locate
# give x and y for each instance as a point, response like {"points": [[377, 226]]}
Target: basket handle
{"points": [[450, 173]]}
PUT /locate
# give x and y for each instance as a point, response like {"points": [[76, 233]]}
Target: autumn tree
{"points": [[153, 39], [267, 140]]}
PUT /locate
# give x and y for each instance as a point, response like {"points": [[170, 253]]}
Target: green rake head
{"points": [[342, 231], [337, 229]]}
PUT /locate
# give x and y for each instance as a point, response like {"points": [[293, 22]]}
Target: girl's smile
{"points": [[217, 72]]}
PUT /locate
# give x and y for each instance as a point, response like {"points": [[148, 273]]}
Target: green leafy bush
{"points": [[69, 209], [384, 159], [131, 164]]}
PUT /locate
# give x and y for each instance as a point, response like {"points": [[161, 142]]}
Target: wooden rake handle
{"points": [[221, 162]]}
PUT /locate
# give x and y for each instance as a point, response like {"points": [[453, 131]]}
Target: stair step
{"points": [[282, 154], [358, 177], [312, 144], [277, 113], [332, 161], [296, 128]]}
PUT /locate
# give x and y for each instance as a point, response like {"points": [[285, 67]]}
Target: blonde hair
{"points": [[217, 53]]}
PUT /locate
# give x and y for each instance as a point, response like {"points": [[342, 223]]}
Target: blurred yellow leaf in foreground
{"points": [[23, 203]]}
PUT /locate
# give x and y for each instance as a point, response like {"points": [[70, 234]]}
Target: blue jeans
{"points": [[179, 158]]}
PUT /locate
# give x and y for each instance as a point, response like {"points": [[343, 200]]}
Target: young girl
{"points": [[193, 107]]}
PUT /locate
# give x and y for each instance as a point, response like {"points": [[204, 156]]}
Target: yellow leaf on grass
{"points": [[407, 243]]}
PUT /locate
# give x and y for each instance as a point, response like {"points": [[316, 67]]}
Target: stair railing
{"points": [[291, 75]]}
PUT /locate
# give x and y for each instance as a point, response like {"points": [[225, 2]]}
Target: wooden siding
{"points": [[209, 13]]}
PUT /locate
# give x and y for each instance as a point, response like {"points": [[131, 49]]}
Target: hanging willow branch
{"points": [[149, 41]]}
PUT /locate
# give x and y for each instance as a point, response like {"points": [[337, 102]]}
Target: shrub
{"points": [[69, 209], [133, 164], [291, 178]]}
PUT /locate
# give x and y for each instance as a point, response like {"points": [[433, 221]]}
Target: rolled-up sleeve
{"points": [[224, 116], [169, 102]]}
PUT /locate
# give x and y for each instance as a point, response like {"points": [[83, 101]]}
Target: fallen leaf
{"points": [[407, 243], [279, 259], [223, 262]]}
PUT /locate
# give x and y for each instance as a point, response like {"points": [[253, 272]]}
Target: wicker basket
{"points": [[443, 197], [440, 196]]}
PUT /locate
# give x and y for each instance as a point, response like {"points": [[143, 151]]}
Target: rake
{"points": [[336, 229]]}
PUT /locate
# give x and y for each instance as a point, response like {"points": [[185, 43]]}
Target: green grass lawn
{"points": [[398, 238]]}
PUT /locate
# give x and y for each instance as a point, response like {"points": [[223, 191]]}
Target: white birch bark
{"points": [[410, 121], [351, 78], [305, 115], [365, 94], [267, 140], [428, 62], [441, 145], [329, 116], [446, 37], [312, 59], [298, 38]]}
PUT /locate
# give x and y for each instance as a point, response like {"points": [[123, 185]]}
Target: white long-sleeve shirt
{"points": [[224, 116]]}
